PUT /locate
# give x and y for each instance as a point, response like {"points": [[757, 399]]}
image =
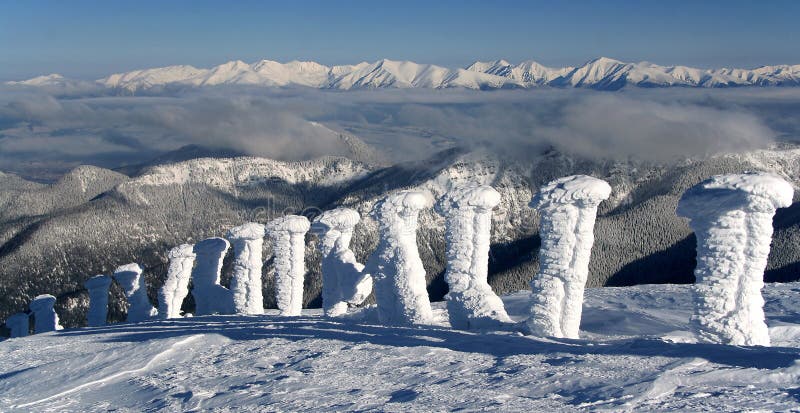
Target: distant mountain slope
{"points": [[602, 73]]}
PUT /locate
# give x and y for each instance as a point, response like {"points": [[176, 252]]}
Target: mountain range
{"points": [[602, 74]]}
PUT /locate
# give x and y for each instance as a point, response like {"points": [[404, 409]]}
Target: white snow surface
{"points": [[98, 299], [130, 279], [567, 208], [248, 243], [396, 268], [343, 279], [176, 286], [45, 318], [471, 303], [209, 296], [636, 354], [289, 247], [731, 216]]}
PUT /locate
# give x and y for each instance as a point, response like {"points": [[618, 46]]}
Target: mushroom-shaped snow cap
{"points": [[575, 189], [211, 246], [289, 223], [469, 195], [182, 251], [406, 202], [751, 190], [98, 281], [250, 231], [42, 302], [339, 219], [129, 268]]}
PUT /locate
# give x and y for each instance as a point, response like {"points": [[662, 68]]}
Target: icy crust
{"points": [[471, 303], [19, 324], [98, 299], [732, 219], [343, 279], [248, 243], [568, 209], [130, 279], [176, 286], [396, 268], [44, 316], [209, 296], [288, 244]]}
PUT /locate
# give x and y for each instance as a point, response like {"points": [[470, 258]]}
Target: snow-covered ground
{"points": [[635, 354]]}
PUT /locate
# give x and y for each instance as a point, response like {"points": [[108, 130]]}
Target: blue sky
{"points": [[89, 39]]}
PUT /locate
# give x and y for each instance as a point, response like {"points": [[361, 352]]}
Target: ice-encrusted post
{"points": [[396, 268], [209, 296], [568, 209], [130, 278], [19, 324], [731, 215], [471, 303], [45, 318], [248, 242], [343, 279], [176, 286], [289, 247], [98, 300]]}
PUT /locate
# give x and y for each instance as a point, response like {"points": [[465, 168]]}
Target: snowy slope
{"points": [[635, 355], [602, 73]]}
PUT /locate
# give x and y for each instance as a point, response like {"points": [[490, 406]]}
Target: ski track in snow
{"points": [[635, 354]]}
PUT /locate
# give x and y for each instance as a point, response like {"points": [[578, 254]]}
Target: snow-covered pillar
{"points": [[248, 242], [471, 303], [19, 324], [567, 208], [98, 299], [176, 286], [209, 296], [396, 268], [45, 318], [343, 279], [289, 246], [731, 216], [130, 278]]}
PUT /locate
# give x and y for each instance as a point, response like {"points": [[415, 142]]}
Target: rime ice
{"points": [[98, 299], [19, 324], [471, 303], [731, 216], [176, 286], [343, 279], [129, 277], [288, 244], [44, 316], [248, 242], [396, 267], [209, 296], [568, 208]]}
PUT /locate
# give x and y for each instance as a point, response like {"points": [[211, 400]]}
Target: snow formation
{"points": [[44, 316], [209, 296], [176, 286], [731, 216], [471, 303], [248, 243], [396, 268], [343, 279], [129, 277], [19, 324], [567, 208], [288, 244], [98, 299]]}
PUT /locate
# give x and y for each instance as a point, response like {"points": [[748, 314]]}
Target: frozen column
{"points": [[343, 280], [98, 299], [248, 242], [176, 286], [731, 215], [130, 278], [209, 296], [19, 324], [471, 303], [397, 271], [567, 208], [289, 246], [44, 316]]}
